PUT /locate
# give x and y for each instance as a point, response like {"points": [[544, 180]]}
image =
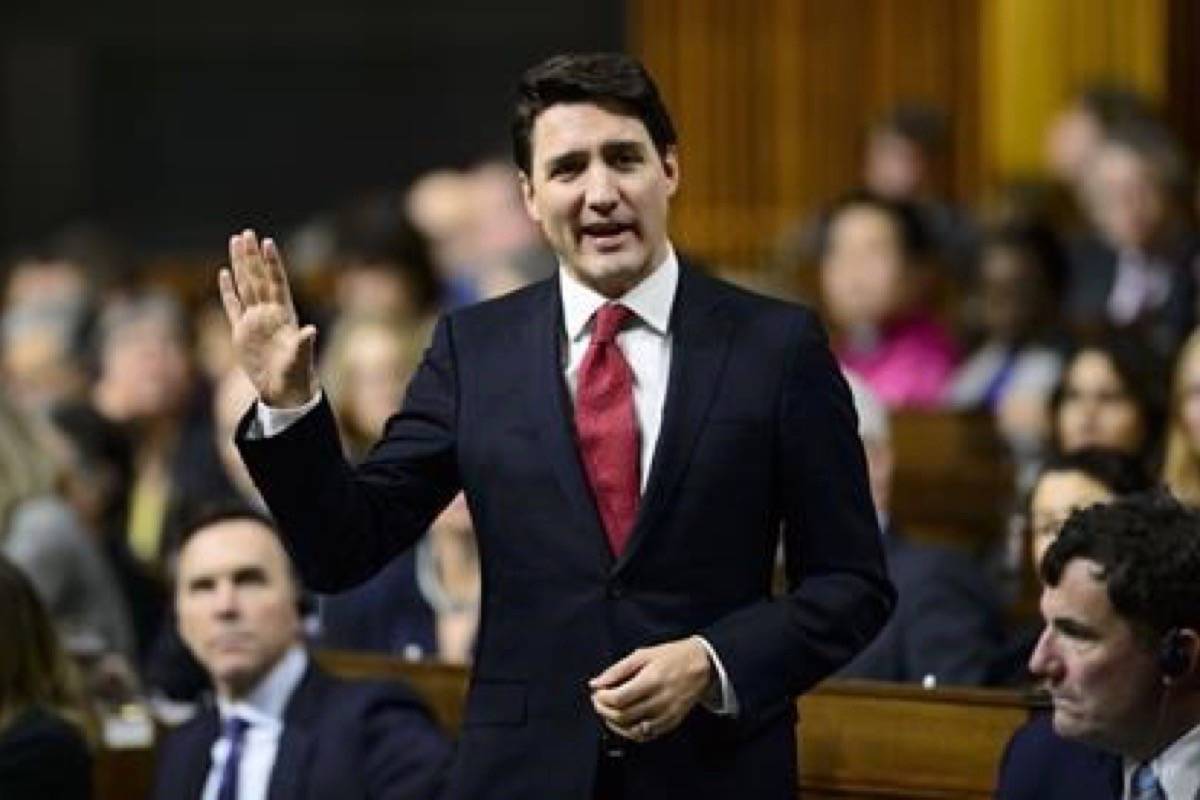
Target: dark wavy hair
{"points": [[1147, 546], [1143, 376], [613, 80], [914, 236], [34, 669], [1120, 473]]}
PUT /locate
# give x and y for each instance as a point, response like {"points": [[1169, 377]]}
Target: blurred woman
{"points": [[1113, 395], [365, 371], [1181, 470], [43, 534], [875, 280], [426, 602], [1017, 292], [43, 726]]}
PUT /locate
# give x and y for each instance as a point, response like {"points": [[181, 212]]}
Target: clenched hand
{"points": [[649, 692]]}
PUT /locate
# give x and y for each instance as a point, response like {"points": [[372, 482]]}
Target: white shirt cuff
{"points": [[723, 702], [270, 421]]}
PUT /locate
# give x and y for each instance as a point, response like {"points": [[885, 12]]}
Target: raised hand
{"points": [[271, 347]]}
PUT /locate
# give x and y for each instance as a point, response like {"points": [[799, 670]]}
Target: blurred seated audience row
{"points": [[1067, 319]]}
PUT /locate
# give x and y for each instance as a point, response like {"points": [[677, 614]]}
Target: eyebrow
{"points": [[1074, 628], [238, 576], [607, 149]]}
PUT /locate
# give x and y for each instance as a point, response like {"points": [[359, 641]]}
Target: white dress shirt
{"points": [[263, 708], [645, 342], [1142, 284], [1177, 768]]}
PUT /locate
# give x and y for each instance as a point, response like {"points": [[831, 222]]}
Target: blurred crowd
{"points": [[1063, 309]]}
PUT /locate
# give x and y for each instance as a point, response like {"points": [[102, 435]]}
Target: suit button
{"points": [[615, 590]]}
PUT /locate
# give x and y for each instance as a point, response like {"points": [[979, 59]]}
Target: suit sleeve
{"points": [[342, 524], [838, 595], [405, 754], [954, 627]]}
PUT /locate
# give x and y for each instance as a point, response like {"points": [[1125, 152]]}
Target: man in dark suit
{"points": [[280, 728], [947, 627], [632, 438], [1138, 270], [1120, 657]]}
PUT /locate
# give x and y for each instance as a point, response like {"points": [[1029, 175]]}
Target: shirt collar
{"points": [[650, 300], [265, 703], [1177, 767]]}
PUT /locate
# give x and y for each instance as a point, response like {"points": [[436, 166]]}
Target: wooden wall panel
{"points": [[1039, 52], [772, 98], [1183, 72]]}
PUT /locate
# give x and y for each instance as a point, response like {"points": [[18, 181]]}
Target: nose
{"points": [[601, 189], [1045, 663], [225, 600]]}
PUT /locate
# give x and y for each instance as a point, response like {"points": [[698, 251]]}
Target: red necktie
{"points": [[607, 427]]}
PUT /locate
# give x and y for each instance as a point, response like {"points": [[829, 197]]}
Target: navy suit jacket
{"points": [[758, 436], [340, 739], [1038, 764], [947, 621]]}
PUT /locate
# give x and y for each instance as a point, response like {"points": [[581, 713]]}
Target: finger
{"points": [[237, 263], [613, 723], [255, 268], [278, 289], [649, 708], [229, 299], [628, 694], [248, 286], [622, 731], [305, 337], [620, 672]]}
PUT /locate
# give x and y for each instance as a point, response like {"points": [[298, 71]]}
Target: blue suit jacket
{"points": [[758, 436], [1038, 764], [340, 739]]}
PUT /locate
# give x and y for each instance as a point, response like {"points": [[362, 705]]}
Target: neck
{"points": [[1176, 717]]}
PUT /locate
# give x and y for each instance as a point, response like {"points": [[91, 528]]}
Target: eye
{"points": [[627, 159], [198, 585]]}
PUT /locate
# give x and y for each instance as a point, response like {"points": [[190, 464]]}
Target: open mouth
{"points": [[606, 235]]}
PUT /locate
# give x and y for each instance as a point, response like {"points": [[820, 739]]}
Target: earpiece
{"points": [[1174, 656]]}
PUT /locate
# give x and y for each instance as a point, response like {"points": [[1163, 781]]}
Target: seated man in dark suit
{"points": [[280, 726], [946, 629], [1120, 656]]}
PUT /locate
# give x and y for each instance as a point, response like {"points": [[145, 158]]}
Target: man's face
{"points": [[236, 602], [601, 192], [1104, 681], [1127, 204]]}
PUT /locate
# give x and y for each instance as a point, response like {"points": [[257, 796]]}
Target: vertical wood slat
{"points": [[772, 96]]}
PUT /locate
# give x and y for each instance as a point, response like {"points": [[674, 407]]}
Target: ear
{"points": [[1184, 644], [670, 163], [527, 196]]}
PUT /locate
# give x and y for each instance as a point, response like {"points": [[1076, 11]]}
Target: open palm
{"points": [[272, 348]]}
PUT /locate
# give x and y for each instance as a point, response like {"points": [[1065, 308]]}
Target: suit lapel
{"points": [[701, 336], [288, 775], [196, 754], [551, 407]]}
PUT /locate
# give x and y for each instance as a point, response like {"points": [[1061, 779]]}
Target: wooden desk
{"points": [[856, 739]]}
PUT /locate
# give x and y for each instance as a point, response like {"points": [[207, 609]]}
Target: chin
{"points": [[604, 273]]}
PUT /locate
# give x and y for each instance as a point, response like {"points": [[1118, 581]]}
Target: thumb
{"points": [[620, 672], [306, 337]]}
